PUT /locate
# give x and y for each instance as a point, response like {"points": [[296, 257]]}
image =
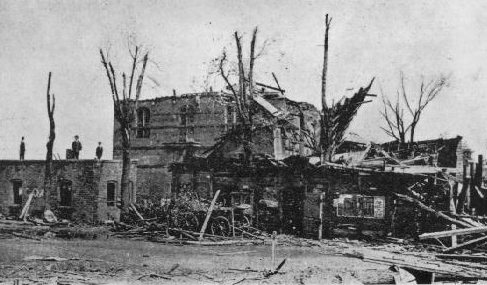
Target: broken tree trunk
{"points": [[431, 210], [50, 144]]}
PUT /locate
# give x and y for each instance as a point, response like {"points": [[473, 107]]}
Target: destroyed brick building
{"points": [[171, 127], [85, 190]]}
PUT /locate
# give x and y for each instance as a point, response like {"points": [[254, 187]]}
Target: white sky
{"points": [[368, 38]]}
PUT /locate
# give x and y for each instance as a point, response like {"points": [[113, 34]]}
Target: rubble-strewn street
{"points": [[102, 258], [110, 260], [128, 261]]}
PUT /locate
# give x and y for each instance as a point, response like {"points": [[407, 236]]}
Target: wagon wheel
{"points": [[187, 221], [242, 223], [220, 226]]}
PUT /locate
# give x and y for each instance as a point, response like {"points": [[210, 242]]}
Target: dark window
{"points": [[143, 117], [65, 191], [17, 188], [111, 187], [187, 115], [368, 207], [183, 135]]}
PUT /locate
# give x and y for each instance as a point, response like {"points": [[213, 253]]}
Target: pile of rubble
{"points": [[182, 225]]}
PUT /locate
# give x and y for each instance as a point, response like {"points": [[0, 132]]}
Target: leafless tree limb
{"points": [[428, 91]]}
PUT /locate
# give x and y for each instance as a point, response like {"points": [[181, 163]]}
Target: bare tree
{"points": [[125, 109], [399, 123], [50, 143], [243, 95]]}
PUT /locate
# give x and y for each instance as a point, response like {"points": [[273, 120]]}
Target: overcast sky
{"points": [[367, 39]]}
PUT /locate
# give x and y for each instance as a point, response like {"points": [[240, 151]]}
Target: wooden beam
{"points": [[469, 257], [270, 87], [431, 210], [459, 232], [208, 214], [466, 244]]}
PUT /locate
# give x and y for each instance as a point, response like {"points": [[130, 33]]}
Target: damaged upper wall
{"points": [[198, 120], [86, 190], [416, 157], [449, 153]]}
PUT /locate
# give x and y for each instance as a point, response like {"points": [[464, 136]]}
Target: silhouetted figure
{"points": [[22, 149], [76, 147], [99, 151]]}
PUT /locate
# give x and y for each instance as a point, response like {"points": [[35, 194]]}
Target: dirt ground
{"points": [[120, 261]]}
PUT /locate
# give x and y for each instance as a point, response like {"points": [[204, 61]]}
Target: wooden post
{"points": [[462, 192], [211, 183], [320, 229], [280, 202], [478, 183], [273, 251], [233, 222], [208, 214], [471, 189], [453, 210]]}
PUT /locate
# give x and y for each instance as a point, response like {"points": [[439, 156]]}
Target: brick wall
{"points": [[86, 178], [209, 120], [173, 132]]}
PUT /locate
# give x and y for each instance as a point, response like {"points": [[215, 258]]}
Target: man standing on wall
{"points": [[22, 149], [76, 147], [99, 151]]}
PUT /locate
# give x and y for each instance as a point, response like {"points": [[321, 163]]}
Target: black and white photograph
{"points": [[243, 142]]}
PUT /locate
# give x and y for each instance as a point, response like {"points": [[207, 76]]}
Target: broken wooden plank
{"points": [[249, 234], [477, 258], [466, 244], [270, 273], [235, 252], [25, 209], [223, 242], [47, 258], [132, 206], [449, 233], [208, 214], [195, 233], [25, 236], [174, 267], [154, 275]]}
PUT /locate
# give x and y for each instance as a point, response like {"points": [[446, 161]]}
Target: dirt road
{"points": [[127, 262]]}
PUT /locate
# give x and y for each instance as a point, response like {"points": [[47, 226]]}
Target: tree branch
{"points": [[134, 62]]}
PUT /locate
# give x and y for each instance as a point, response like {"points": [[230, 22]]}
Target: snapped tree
{"points": [[125, 109], [50, 143], [336, 119], [242, 96], [400, 123]]}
